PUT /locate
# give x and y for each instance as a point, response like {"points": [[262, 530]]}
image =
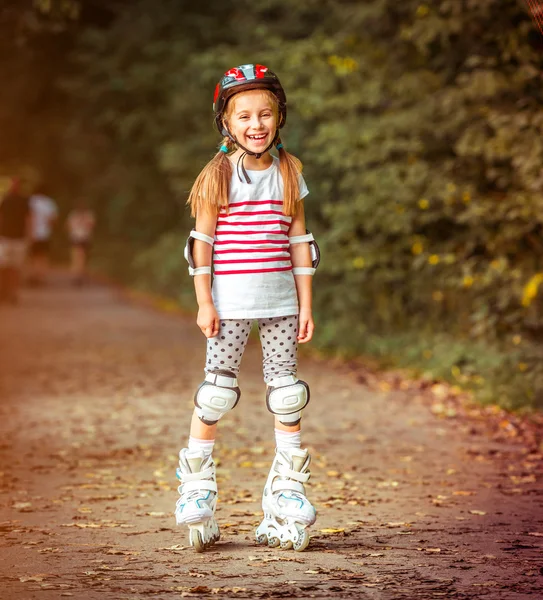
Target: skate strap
{"points": [[199, 475], [284, 485], [284, 471], [193, 486]]}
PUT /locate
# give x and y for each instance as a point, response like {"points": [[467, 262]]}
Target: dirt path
{"points": [[96, 396]]}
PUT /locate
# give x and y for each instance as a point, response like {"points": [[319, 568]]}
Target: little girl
{"points": [[250, 225]]}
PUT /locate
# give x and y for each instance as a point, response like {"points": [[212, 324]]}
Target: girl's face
{"points": [[252, 119]]}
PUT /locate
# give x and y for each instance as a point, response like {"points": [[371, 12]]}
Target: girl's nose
{"points": [[256, 122]]}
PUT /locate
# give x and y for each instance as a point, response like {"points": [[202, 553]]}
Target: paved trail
{"points": [[96, 396]]}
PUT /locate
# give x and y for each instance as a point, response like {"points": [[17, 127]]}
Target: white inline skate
{"points": [[287, 511], [198, 498]]}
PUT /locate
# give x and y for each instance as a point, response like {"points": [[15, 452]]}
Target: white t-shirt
{"points": [[44, 210], [251, 260], [80, 225]]}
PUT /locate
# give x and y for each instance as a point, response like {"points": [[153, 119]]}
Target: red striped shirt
{"points": [[256, 227]]}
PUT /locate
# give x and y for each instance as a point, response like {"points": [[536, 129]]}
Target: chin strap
{"points": [[243, 170]]}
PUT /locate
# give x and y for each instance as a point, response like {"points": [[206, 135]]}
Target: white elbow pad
{"points": [[313, 248], [193, 269]]}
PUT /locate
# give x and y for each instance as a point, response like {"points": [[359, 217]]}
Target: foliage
{"points": [[420, 124]]}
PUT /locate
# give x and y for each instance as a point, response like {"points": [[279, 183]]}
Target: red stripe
{"points": [[256, 212], [252, 242], [251, 260], [243, 223], [271, 232], [253, 271], [234, 250], [256, 203]]}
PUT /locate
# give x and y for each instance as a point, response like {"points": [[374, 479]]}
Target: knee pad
{"points": [[286, 397], [217, 395]]}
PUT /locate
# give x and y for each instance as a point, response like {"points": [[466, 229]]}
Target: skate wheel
{"points": [[196, 540], [286, 545], [301, 542], [273, 542], [262, 539]]}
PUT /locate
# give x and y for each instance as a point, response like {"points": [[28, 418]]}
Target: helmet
{"points": [[241, 79]]}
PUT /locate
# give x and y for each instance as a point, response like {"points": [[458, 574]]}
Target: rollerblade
{"points": [[198, 498], [287, 511]]}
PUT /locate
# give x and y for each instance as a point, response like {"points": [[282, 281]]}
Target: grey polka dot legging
{"points": [[278, 337]]}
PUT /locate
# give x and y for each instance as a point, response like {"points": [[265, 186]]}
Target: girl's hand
{"points": [[208, 320], [306, 326]]}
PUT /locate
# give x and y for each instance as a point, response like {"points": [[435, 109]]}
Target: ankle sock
{"points": [[205, 446], [287, 439]]}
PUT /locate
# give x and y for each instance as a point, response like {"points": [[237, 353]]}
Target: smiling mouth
{"points": [[258, 138]]}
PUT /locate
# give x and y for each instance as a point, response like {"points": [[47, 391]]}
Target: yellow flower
{"points": [[422, 10], [343, 65], [433, 259], [359, 262], [466, 197], [467, 281], [423, 203], [530, 289], [522, 367], [517, 339], [417, 248]]}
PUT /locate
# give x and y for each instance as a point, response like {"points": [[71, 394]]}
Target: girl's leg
{"points": [[198, 490], [279, 340], [224, 353], [287, 511]]}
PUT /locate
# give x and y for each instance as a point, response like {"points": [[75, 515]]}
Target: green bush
{"points": [[420, 125]]}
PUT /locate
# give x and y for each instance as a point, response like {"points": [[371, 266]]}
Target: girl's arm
{"points": [[208, 318], [301, 257]]}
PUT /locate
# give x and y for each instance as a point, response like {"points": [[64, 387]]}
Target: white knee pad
{"points": [[286, 397], [217, 395]]}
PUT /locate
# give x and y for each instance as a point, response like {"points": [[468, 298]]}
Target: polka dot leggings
{"points": [[278, 337]]}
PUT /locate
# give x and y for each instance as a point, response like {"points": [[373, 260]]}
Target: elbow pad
{"points": [[313, 248], [188, 252]]}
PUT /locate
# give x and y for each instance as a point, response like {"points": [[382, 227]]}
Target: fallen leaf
{"points": [[175, 548], [477, 512], [331, 530], [37, 577]]}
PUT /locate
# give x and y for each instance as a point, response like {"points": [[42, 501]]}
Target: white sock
{"points": [[287, 439], [197, 445]]}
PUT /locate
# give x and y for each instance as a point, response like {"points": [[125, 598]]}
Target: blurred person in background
{"points": [[44, 214], [80, 225], [15, 231]]}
